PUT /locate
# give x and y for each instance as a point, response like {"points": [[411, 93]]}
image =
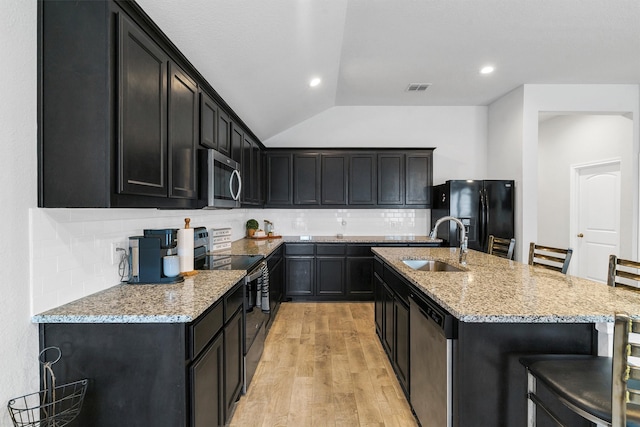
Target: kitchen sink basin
{"points": [[429, 265]]}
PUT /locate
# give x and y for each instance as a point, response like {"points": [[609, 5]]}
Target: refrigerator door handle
{"points": [[486, 218], [483, 222]]}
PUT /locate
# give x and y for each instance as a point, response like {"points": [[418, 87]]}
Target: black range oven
{"points": [[256, 304]]}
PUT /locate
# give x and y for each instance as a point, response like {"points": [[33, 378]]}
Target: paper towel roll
{"points": [[185, 249]]}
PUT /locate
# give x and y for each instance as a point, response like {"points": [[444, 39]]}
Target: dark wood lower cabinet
{"points": [[401, 341], [154, 374], [208, 386], [233, 360], [332, 271]]}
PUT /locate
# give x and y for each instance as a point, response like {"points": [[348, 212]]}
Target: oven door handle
{"points": [[254, 274]]}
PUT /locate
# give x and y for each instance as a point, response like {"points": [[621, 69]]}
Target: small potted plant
{"points": [[252, 226]]}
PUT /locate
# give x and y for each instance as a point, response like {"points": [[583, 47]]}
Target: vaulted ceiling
{"points": [[261, 54]]}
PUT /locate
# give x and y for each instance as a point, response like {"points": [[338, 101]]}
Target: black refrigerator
{"points": [[484, 207]]}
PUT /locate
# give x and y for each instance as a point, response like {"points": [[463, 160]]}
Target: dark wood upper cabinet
{"points": [[224, 133], [142, 142], [237, 140], [208, 122], [183, 134], [306, 179], [279, 173], [334, 179], [350, 177], [419, 178], [391, 179], [362, 179], [119, 114]]}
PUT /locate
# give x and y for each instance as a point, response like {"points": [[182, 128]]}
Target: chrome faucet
{"points": [[464, 241]]}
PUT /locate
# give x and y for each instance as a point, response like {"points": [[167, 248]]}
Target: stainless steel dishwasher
{"points": [[432, 337]]}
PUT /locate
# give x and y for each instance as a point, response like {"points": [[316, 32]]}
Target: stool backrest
{"points": [[623, 272], [625, 385], [551, 258], [501, 247]]}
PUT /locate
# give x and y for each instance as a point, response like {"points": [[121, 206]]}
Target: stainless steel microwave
{"points": [[223, 184]]}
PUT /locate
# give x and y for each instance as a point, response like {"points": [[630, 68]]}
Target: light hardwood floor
{"points": [[323, 365]]}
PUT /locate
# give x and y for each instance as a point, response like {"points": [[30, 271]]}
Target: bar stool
{"points": [[623, 272], [551, 258], [603, 390], [501, 247]]}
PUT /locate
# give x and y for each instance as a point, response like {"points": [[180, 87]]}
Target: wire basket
{"points": [[53, 406]]}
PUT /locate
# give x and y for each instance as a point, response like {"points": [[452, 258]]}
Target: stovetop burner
{"points": [[232, 262]]}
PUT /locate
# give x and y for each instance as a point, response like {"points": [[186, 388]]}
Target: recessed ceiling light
{"points": [[315, 82], [487, 69]]}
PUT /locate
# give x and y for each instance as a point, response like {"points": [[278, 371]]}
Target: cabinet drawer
{"points": [[398, 285], [206, 328], [233, 300], [299, 249], [359, 250], [330, 249]]}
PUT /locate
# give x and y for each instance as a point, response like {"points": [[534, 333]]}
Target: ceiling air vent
{"points": [[418, 87]]}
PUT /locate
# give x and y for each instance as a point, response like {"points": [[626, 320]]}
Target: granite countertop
{"points": [[166, 303], [266, 246], [494, 289]]}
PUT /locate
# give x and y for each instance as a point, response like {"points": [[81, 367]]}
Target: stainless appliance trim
{"points": [[217, 160]]}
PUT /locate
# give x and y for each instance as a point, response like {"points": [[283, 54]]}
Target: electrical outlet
{"points": [[115, 253]]}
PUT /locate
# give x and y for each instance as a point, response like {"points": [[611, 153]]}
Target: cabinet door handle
{"points": [[581, 235]]}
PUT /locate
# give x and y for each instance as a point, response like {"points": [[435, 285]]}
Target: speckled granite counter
{"points": [[497, 290], [266, 246], [179, 303]]}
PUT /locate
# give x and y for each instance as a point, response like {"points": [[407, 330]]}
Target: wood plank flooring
{"points": [[323, 365]]}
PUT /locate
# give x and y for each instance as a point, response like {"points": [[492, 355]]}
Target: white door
{"points": [[598, 219]]}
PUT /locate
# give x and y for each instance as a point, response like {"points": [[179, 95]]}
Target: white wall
{"points": [[18, 337], [527, 102], [569, 140], [459, 134]]}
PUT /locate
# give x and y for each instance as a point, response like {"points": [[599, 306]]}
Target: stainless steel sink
{"points": [[429, 265]]}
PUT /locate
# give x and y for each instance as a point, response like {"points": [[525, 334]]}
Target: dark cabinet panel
{"points": [[360, 277], [208, 122], [334, 179], [390, 179], [387, 321], [306, 179], [224, 133], [142, 142], [378, 305], [330, 276], [418, 178], [237, 139], [362, 179], [401, 342], [279, 179], [183, 134], [233, 359], [256, 176], [300, 276], [207, 375], [251, 170]]}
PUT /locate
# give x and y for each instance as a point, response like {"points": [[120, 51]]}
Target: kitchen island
{"points": [[502, 310]]}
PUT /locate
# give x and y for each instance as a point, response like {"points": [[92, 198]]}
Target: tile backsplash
{"points": [[73, 255]]}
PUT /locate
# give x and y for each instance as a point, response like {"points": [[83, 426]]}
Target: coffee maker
{"points": [[146, 255]]}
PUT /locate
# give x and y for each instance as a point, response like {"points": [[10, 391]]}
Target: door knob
{"points": [[581, 235]]}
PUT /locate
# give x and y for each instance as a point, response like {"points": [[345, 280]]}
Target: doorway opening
{"points": [[570, 144]]}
